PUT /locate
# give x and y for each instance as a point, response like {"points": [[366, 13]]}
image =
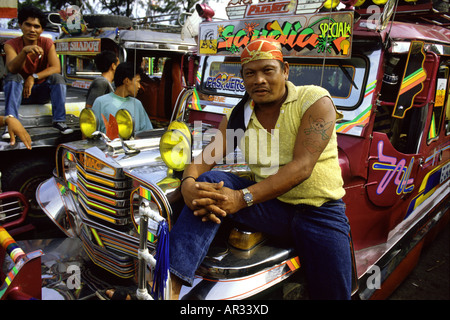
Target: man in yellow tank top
{"points": [[291, 147]]}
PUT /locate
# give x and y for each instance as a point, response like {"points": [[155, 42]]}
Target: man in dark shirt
{"points": [[106, 62]]}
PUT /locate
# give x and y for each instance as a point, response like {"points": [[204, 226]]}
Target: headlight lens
{"points": [[178, 125], [88, 122], [331, 4], [125, 123], [175, 149]]}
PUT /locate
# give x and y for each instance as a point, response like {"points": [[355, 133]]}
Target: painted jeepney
{"points": [[389, 78]]}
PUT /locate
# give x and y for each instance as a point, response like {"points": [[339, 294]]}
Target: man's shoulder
{"points": [[104, 98], [306, 88], [134, 101], [99, 81], [45, 40], [12, 42], [299, 92]]}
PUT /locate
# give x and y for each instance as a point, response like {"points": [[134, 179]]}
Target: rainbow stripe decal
{"points": [[195, 104], [10, 246], [411, 81], [145, 193], [363, 118], [293, 263]]}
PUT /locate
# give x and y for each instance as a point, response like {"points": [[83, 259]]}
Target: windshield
{"points": [[344, 79]]}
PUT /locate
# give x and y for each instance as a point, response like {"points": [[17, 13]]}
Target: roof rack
{"points": [[161, 23]]}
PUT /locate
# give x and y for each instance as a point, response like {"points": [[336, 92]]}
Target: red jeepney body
{"points": [[394, 139], [383, 184]]}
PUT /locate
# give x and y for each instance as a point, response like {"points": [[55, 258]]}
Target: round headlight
{"points": [[88, 122], [125, 124], [380, 2], [175, 149], [181, 126], [331, 4]]}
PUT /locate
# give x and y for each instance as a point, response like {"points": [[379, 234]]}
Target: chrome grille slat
{"points": [[104, 197]]}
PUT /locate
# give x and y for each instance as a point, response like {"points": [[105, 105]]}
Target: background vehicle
{"points": [[390, 81], [162, 54]]}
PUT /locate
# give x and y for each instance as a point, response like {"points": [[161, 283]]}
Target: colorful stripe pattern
{"points": [[195, 104], [293, 264], [145, 193], [411, 81], [363, 118], [432, 133], [10, 246]]}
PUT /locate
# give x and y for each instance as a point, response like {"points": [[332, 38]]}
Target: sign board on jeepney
{"points": [[78, 46], [238, 9], [305, 35]]}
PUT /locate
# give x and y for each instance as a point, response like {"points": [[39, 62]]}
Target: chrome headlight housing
{"points": [[69, 166]]}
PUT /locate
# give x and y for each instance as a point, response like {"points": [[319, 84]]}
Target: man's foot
{"points": [[6, 135], [62, 126]]}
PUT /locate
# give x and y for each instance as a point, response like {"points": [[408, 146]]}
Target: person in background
{"points": [[16, 128], [127, 80], [34, 70], [106, 62]]}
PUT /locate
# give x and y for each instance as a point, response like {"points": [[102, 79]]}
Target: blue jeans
{"points": [[320, 236], [53, 89]]}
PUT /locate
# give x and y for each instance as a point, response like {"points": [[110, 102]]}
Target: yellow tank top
{"points": [[275, 149]]}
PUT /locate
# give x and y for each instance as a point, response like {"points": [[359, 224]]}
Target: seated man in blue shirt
{"points": [[127, 80]]}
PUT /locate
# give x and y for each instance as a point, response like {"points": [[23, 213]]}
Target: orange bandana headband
{"points": [[261, 49]]}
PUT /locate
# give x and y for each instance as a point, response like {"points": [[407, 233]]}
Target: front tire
{"points": [[25, 176]]}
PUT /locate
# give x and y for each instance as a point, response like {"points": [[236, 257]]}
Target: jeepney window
{"points": [[222, 76], [439, 103], [81, 66], [344, 79], [153, 66]]}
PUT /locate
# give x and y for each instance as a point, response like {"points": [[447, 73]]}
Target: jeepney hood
{"points": [[146, 165]]}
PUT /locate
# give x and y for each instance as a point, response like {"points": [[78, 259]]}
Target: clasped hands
{"points": [[211, 201]]}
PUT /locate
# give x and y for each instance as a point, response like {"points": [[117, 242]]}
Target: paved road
{"points": [[430, 279]]}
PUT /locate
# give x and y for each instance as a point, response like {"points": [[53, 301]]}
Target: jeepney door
{"points": [[395, 152]]}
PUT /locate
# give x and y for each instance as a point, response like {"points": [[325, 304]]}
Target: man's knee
{"points": [[212, 176], [14, 77], [56, 78]]}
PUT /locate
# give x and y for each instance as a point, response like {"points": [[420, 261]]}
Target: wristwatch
{"points": [[248, 197], [35, 76], [9, 116]]}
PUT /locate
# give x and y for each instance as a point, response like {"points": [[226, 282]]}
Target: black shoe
{"points": [[62, 126]]}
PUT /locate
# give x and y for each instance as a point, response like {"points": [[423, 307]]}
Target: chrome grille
{"points": [[103, 197]]}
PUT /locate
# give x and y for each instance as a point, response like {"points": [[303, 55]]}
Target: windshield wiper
{"points": [[347, 75]]}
